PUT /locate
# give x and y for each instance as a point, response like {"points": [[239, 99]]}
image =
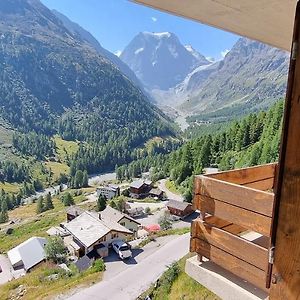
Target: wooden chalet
{"points": [[179, 208], [263, 201]]}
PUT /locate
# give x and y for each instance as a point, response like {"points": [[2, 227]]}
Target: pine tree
{"points": [[85, 179], [101, 203], [68, 199], [78, 179], [48, 202], [3, 213], [40, 205]]}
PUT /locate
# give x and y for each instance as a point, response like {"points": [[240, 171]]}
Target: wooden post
{"points": [[285, 280]]}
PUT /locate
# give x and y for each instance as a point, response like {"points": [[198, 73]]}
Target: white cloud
{"points": [[153, 19], [118, 52], [223, 53]]}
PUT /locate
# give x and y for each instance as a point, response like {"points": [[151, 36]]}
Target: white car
{"points": [[122, 249]]}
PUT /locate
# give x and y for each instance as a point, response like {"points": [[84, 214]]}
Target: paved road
{"points": [[130, 283], [170, 195]]}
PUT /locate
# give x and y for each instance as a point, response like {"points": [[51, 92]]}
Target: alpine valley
{"points": [[58, 86], [249, 78]]}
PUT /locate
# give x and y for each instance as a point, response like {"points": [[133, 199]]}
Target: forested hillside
{"points": [[251, 141], [54, 82]]}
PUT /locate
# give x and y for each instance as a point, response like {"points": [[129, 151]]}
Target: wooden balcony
{"points": [[232, 205]]}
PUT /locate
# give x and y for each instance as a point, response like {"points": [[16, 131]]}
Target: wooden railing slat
{"points": [[229, 262], [244, 197], [235, 245], [246, 175], [237, 215]]}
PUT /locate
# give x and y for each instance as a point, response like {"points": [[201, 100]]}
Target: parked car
{"points": [[122, 249]]}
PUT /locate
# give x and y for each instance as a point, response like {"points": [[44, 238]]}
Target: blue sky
{"points": [[115, 22]]}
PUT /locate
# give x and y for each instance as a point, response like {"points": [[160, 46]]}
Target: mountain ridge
{"points": [[159, 60]]}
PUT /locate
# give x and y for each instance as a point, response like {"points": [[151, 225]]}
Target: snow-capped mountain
{"points": [[159, 60]]}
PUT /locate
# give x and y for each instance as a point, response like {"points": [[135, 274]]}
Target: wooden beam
{"points": [[244, 197], [246, 175], [229, 262], [237, 215], [262, 185], [286, 225], [235, 245]]}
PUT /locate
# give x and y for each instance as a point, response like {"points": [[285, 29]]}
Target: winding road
{"points": [[136, 278], [170, 195]]}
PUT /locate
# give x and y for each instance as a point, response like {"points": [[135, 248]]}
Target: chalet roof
{"points": [[113, 215], [155, 191], [268, 21], [137, 184], [180, 205], [74, 210], [30, 252], [88, 228]]}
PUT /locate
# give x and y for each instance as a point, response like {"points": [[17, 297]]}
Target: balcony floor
{"points": [[221, 282]]}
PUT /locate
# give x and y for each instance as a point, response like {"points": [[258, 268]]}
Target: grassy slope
{"points": [[65, 148], [170, 185], [183, 288], [38, 287], [36, 225]]}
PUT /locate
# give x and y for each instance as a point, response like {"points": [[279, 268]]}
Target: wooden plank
{"points": [[286, 233], [229, 262], [235, 245], [246, 175], [262, 185], [251, 199], [234, 229], [217, 222], [237, 215]]}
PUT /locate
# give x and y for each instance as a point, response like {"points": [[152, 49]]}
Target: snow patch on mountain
{"points": [[138, 50]]}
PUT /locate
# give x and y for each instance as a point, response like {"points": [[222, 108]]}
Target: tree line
{"points": [[250, 141]]}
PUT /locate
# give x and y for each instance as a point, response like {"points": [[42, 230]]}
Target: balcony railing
{"points": [[235, 204]]}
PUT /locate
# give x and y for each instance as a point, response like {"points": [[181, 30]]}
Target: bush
{"points": [[55, 249], [147, 210], [98, 265]]}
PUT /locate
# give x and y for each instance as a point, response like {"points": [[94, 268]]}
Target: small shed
{"points": [[84, 263], [73, 212], [179, 208], [156, 193]]}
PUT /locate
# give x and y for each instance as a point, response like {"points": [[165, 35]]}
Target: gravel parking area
{"points": [[6, 274]]}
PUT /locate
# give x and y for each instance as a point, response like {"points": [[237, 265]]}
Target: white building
{"points": [[89, 230], [28, 254], [109, 191]]}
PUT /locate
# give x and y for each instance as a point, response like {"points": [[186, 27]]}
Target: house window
{"points": [[103, 239], [114, 235], [122, 223]]}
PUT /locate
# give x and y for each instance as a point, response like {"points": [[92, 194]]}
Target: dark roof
{"points": [[156, 192], [114, 215], [137, 184], [178, 204], [83, 263], [74, 211]]}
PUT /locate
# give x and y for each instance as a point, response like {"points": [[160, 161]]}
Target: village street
{"points": [[134, 278], [170, 195]]}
